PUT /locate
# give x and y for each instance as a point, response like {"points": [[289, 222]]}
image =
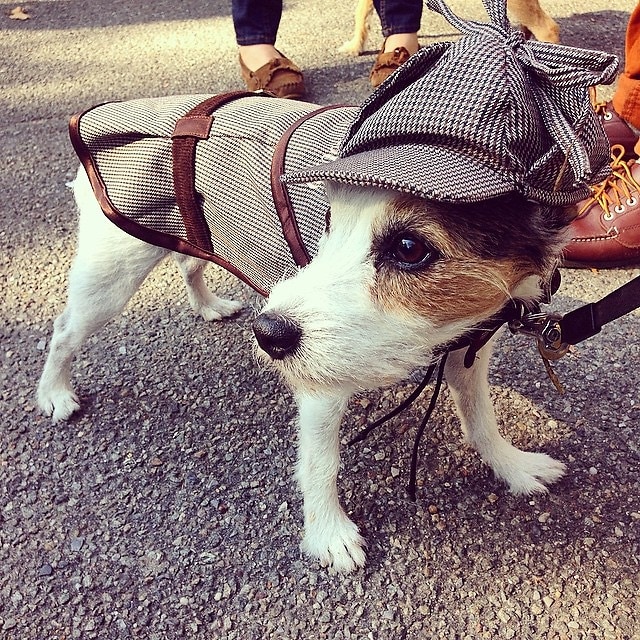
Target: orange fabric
{"points": [[626, 100]]}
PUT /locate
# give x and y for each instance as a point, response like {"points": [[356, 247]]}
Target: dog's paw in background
{"points": [[355, 46], [535, 20], [352, 47], [336, 544]]}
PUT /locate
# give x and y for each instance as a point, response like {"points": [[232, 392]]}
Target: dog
{"points": [[448, 200], [531, 16], [413, 280]]}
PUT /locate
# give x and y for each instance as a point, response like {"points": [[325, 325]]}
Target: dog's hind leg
{"points": [[108, 269], [329, 534], [98, 291], [523, 471], [202, 300]]}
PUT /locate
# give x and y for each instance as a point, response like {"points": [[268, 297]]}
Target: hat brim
{"points": [[428, 171]]}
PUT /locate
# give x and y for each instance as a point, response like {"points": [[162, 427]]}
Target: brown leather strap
{"points": [[280, 194], [193, 126]]}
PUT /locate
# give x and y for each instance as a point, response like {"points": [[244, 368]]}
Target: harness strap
{"points": [[193, 126], [281, 198], [585, 322]]}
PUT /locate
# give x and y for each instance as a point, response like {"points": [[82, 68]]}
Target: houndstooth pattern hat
{"points": [[473, 119]]}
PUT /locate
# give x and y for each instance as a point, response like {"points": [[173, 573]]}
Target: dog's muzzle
{"points": [[277, 335]]}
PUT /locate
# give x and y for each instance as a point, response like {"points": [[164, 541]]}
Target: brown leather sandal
{"points": [[279, 76], [386, 64]]}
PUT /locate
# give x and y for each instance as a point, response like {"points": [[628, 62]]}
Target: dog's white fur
{"points": [[108, 269], [528, 13], [350, 343], [352, 339]]}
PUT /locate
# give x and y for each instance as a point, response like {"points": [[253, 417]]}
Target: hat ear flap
{"points": [[497, 10], [413, 69]]}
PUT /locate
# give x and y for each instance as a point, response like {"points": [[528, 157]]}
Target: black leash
{"points": [[587, 321], [405, 404], [414, 456], [555, 333], [399, 409]]}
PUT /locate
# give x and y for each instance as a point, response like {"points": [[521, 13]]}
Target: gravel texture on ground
{"points": [[166, 508]]}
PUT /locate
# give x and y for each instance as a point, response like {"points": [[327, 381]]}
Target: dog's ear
{"points": [[507, 227]]}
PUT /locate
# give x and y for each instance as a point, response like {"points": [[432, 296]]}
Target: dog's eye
{"points": [[408, 250]]}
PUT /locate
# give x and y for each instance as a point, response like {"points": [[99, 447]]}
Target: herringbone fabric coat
{"points": [[234, 209]]}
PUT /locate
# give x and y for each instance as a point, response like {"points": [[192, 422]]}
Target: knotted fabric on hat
{"points": [[473, 119]]}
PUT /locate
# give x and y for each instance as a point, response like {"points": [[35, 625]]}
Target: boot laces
{"points": [[616, 192]]}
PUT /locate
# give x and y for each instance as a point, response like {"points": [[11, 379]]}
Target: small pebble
{"points": [[76, 544]]}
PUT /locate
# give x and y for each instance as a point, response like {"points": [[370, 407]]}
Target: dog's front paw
{"points": [[214, 308], [338, 545], [58, 404], [527, 472]]}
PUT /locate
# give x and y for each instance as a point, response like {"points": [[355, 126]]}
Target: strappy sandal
{"points": [[386, 64], [279, 76]]}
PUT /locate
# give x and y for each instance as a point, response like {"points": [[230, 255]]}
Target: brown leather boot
{"points": [[617, 130], [606, 232]]}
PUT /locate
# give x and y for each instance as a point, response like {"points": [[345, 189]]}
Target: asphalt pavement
{"points": [[166, 508]]}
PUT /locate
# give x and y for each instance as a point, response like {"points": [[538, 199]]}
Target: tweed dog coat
{"points": [[202, 176]]}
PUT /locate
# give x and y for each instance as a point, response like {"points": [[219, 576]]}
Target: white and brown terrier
{"points": [[429, 235], [395, 277]]}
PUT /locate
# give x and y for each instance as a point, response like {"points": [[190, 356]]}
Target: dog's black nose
{"points": [[278, 335]]}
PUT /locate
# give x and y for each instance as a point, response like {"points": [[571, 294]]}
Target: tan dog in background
{"points": [[528, 13]]}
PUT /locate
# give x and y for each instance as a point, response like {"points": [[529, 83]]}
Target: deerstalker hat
{"points": [[473, 119]]}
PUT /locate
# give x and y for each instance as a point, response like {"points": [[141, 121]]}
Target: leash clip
{"points": [[546, 328]]}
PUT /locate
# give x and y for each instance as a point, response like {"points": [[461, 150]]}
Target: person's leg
{"points": [[256, 21], [400, 21], [256, 25], [626, 100]]}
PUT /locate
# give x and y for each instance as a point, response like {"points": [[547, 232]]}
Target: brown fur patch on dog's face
{"points": [[450, 262]]}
